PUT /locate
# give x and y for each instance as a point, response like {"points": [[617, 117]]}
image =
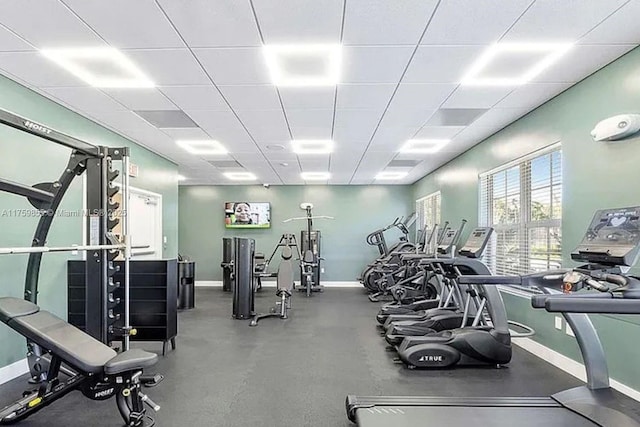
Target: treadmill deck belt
{"points": [[456, 416]]}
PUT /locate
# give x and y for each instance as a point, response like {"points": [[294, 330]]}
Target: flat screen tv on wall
{"points": [[247, 215]]}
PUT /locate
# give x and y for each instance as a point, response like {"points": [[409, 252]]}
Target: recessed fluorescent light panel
{"points": [[538, 56], [240, 176], [103, 67], [312, 146], [315, 176], [182, 178], [202, 146], [390, 175], [304, 64], [423, 146]]}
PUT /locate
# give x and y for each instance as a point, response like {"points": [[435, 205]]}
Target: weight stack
{"points": [[244, 250]]}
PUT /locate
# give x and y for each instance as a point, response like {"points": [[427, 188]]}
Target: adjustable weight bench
{"points": [[98, 371], [284, 284]]}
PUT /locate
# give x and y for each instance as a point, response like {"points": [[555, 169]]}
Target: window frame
{"points": [[525, 222]]}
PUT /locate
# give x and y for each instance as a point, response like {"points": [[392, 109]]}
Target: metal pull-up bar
{"points": [[26, 125], [308, 217], [43, 249]]}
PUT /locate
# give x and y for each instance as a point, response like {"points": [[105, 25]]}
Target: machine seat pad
{"points": [[130, 360], [73, 346], [284, 281], [286, 253], [16, 307], [308, 257]]}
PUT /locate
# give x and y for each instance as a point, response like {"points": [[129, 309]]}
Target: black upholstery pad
{"points": [[130, 360], [284, 281], [72, 345], [15, 307]]}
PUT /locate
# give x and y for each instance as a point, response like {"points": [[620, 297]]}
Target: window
{"points": [[428, 211], [522, 201]]}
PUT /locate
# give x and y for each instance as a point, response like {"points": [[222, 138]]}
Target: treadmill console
{"points": [[613, 238], [447, 241], [476, 243]]}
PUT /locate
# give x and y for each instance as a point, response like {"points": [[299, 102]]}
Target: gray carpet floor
{"points": [[288, 373]]}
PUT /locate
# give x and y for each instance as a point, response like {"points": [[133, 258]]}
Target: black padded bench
{"points": [[100, 372], [72, 345]]}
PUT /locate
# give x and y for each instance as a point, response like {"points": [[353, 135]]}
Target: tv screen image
{"points": [[247, 215]]}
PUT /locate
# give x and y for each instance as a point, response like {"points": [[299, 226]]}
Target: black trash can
{"points": [[186, 285]]}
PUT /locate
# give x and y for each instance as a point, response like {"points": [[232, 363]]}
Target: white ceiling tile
{"points": [[371, 96], [374, 64], [195, 97], [482, 21], [439, 132], [46, 24], [476, 97], [397, 118], [123, 29], [581, 61], [244, 66], [391, 138], [207, 23], [268, 133], [308, 132], [213, 119], [141, 99], [497, 118], [356, 125], [441, 64], [268, 125], [191, 133], [316, 163], [307, 97], [310, 118], [121, 120], [383, 22], [166, 67], [85, 99], [560, 21], [344, 147], [11, 42], [417, 96], [263, 118], [293, 21], [254, 97], [280, 156], [532, 95], [621, 27], [37, 70]]}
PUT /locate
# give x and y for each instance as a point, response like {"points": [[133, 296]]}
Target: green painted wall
{"points": [[358, 210], [29, 160], [596, 175]]}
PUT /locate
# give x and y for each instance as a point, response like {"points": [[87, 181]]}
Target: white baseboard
{"points": [[13, 371], [272, 283], [568, 365]]}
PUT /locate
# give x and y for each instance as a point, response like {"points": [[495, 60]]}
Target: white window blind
{"points": [[522, 201], [428, 211]]}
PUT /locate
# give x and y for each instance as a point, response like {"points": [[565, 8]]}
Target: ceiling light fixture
{"points": [[390, 175], [240, 176], [277, 56], [202, 146], [423, 146], [312, 146], [87, 63], [315, 176], [552, 51], [182, 178]]}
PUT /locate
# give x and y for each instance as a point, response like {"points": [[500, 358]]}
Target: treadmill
{"points": [[610, 246]]}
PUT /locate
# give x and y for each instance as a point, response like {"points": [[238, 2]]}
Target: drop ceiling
{"points": [[402, 63]]}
